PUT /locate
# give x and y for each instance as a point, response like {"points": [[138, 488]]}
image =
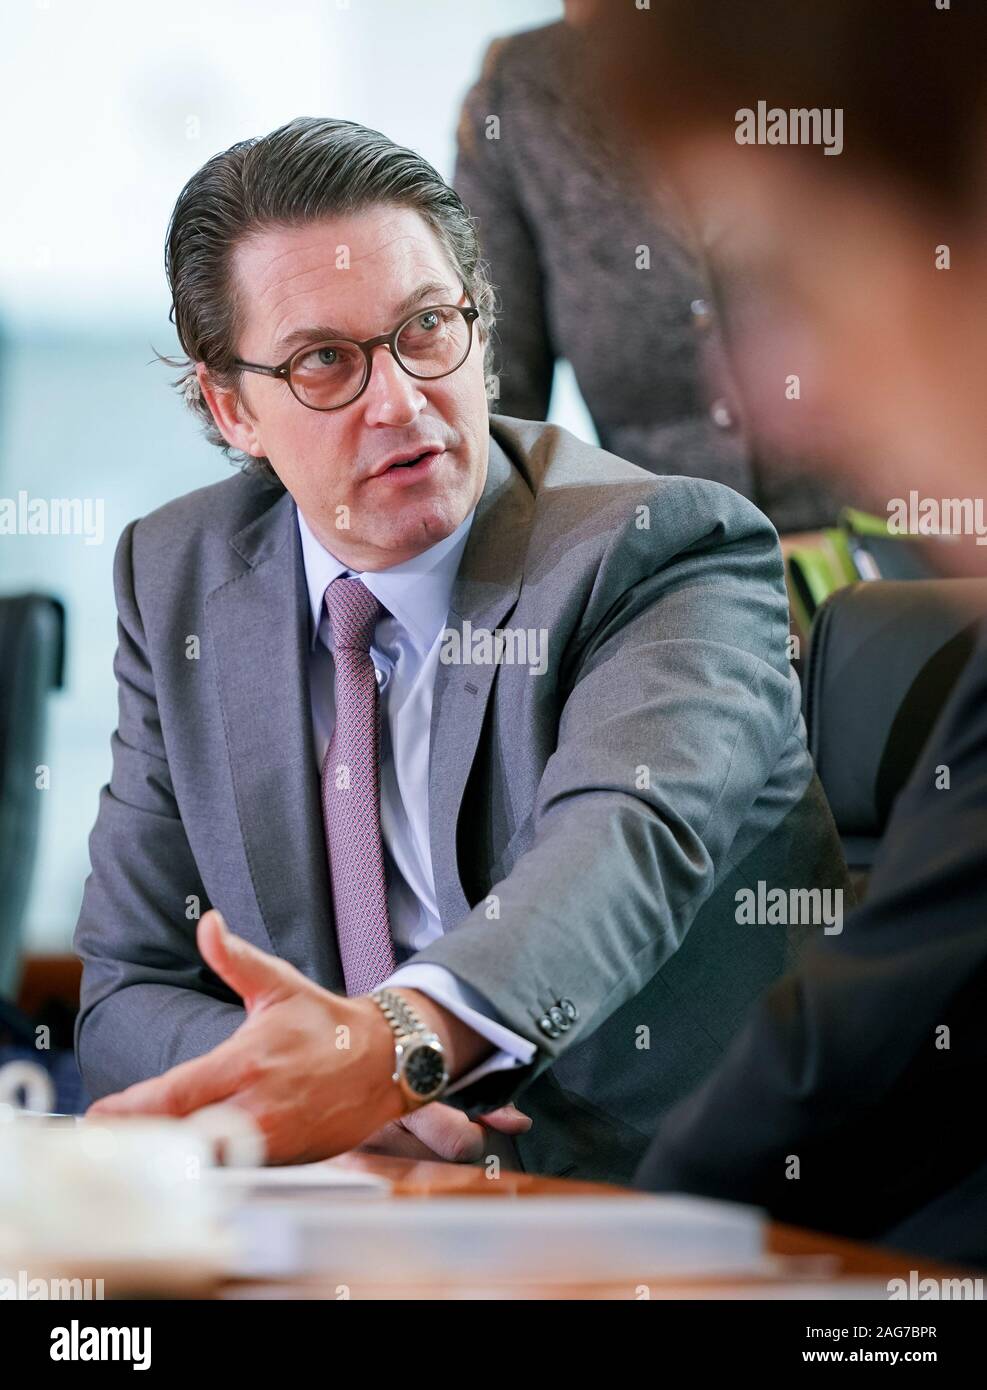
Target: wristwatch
{"points": [[419, 1057]]}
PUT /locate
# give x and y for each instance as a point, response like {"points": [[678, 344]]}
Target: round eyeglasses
{"points": [[328, 375]]}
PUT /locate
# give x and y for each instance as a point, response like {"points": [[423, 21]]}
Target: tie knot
{"points": [[353, 612]]}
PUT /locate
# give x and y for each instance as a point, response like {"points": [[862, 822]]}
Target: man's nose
{"points": [[392, 396]]}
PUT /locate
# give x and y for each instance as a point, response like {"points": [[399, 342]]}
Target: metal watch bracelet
{"points": [[408, 1029], [401, 1018]]}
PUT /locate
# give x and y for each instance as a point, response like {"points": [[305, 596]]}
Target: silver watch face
{"points": [[423, 1067]]}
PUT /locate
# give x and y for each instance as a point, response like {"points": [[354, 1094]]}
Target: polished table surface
{"points": [[799, 1263]]}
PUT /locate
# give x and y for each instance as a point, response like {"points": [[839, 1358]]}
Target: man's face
{"points": [[331, 461]]}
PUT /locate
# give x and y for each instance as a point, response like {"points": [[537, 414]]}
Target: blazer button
{"points": [[702, 313], [558, 1017], [569, 1009], [547, 1026]]}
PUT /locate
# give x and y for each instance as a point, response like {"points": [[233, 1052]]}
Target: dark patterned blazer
{"points": [[565, 231]]}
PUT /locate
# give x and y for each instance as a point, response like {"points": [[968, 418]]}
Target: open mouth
{"points": [[414, 467]]}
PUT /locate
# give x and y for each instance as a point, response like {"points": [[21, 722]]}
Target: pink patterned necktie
{"points": [[351, 793]]}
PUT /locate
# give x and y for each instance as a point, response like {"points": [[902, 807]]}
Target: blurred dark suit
{"points": [[845, 1064]]}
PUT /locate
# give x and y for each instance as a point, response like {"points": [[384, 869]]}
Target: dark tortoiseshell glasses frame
{"points": [[283, 370]]}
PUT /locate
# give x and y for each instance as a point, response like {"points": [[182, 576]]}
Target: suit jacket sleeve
{"points": [[680, 704], [525, 358], [845, 1102], [148, 999]]}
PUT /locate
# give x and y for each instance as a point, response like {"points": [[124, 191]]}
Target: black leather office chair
{"points": [[883, 659], [32, 647]]}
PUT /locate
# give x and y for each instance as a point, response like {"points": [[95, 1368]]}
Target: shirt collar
{"points": [[417, 592]]}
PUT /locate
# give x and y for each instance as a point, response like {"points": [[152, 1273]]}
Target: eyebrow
{"points": [[299, 336]]}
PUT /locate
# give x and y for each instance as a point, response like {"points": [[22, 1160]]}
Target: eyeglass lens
{"points": [[433, 343]]}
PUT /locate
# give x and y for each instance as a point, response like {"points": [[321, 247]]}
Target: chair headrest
{"points": [[883, 660], [32, 630]]}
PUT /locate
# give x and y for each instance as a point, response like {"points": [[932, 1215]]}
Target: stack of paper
{"points": [[473, 1239]]}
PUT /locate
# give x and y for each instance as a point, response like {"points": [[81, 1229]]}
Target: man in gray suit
{"points": [[482, 741]]}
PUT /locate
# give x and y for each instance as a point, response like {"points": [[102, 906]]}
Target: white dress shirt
{"points": [[405, 653]]}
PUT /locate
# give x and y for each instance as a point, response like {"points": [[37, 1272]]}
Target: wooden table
{"points": [[799, 1263]]}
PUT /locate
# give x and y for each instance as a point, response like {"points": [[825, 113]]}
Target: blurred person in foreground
{"points": [[849, 1102]]}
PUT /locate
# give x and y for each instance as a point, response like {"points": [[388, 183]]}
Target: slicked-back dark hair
{"points": [[309, 170]]}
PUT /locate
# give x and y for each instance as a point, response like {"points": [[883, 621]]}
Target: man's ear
{"points": [[232, 420]]}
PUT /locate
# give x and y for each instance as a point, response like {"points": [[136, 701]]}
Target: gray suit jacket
{"points": [[590, 826]]}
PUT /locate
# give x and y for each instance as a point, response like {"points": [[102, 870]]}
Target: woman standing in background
{"points": [[590, 268]]}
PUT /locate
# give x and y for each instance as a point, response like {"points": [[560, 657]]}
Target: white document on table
{"points": [[307, 1177], [552, 1238]]}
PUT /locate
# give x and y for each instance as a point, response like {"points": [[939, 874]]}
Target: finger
{"points": [[507, 1120], [213, 1077], [396, 1142], [256, 976], [447, 1132]]}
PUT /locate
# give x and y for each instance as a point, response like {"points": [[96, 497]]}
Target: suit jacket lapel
{"points": [[259, 628], [485, 591], [258, 623]]}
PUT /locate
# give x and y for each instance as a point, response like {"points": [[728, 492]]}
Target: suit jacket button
{"points": [[547, 1026], [558, 1017], [569, 1009], [702, 313]]}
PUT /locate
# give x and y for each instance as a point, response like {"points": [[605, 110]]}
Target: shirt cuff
{"points": [[472, 1009]]}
